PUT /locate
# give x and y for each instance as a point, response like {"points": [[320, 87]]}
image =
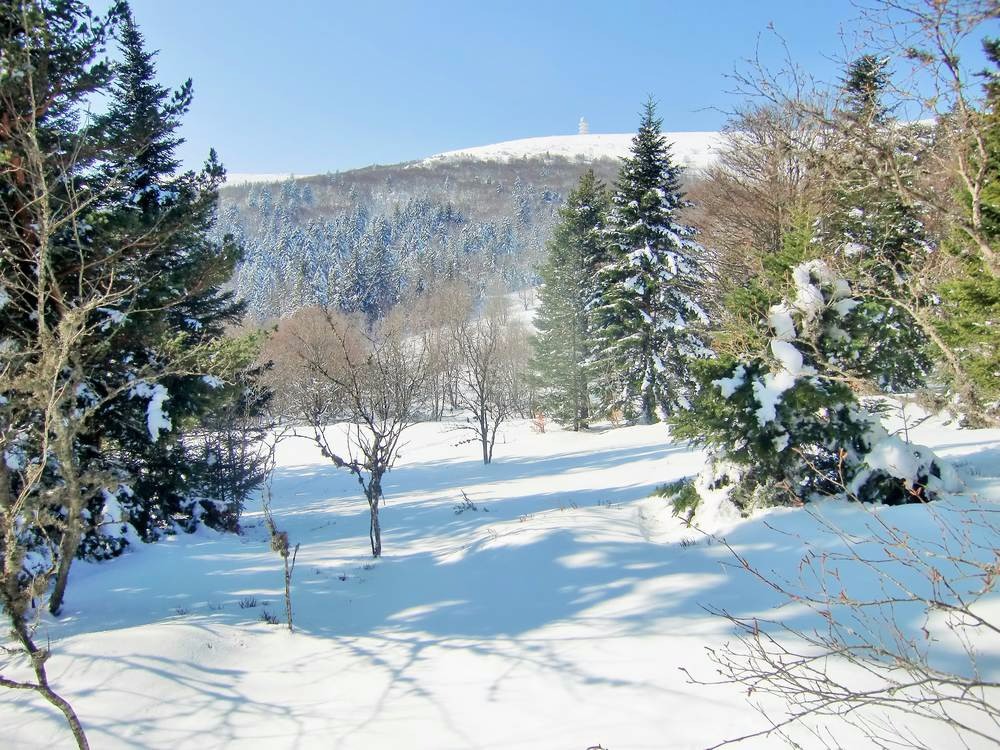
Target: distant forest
{"points": [[362, 240]]}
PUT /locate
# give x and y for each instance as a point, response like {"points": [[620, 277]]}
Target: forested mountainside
{"points": [[359, 240]]}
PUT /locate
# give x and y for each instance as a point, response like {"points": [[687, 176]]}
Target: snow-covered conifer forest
{"points": [[646, 440]]}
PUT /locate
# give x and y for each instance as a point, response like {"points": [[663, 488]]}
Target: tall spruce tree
{"points": [[180, 305], [647, 321], [562, 347], [112, 313]]}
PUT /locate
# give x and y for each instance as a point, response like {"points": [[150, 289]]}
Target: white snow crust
{"points": [[557, 615], [695, 150]]}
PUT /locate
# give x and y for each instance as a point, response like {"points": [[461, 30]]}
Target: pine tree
{"points": [[562, 344], [784, 427], [180, 305], [647, 321], [117, 316]]}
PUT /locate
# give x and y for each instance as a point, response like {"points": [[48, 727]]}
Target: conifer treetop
{"points": [[650, 167]]}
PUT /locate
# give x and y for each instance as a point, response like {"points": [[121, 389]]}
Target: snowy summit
{"points": [[695, 150]]}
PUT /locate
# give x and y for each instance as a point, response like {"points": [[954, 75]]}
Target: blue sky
{"points": [[315, 85]]}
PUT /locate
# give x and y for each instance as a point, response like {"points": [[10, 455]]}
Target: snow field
{"points": [[556, 615]]}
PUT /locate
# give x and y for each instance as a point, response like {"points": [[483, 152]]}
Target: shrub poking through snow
{"points": [[785, 428], [683, 496]]}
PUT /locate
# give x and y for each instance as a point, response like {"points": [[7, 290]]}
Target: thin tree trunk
{"points": [[73, 533], [647, 405], [375, 530], [493, 439], [38, 658], [582, 397], [438, 390], [5, 496], [577, 405], [67, 551], [289, 569]]}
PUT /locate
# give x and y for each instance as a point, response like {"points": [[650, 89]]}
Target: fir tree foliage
{"points": [[179, 306], [647, 320], [864, 85], [785, 428], [562, 343]]}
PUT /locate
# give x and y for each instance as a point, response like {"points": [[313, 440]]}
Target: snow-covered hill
{"points": [[695, 150]]}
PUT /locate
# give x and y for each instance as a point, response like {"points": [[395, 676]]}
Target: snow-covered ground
{"points": [[695, 150], [557, 615]]}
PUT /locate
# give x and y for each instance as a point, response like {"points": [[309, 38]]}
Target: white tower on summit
{"points": [[584, 127]]}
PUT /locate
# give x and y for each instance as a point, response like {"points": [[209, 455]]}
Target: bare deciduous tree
{"points": [[941, 174], [301, 395], [761, 184], [494, 354], [437, 315], [377, 374], [923, 39]]}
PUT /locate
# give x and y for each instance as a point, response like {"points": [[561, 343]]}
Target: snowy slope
{"points": [[695, 150], [556, 615]]}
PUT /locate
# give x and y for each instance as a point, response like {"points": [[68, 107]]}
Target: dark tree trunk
{"points": [[375, 530], [67, 551]]}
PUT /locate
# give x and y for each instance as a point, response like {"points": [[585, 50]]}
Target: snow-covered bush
{"points": [[786, 427]]}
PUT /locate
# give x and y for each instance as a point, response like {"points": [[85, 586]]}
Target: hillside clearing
{"points": [[556, 614]]}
